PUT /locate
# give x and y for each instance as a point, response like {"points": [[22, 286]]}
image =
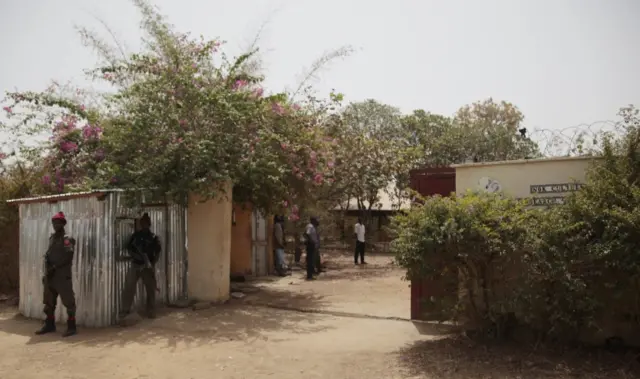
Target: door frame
{"points": [[259, 244]]}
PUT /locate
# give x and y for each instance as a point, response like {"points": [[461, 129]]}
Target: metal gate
{"points": [[429, 182], [259, 257]]}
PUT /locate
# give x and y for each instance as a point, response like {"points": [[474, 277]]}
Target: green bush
{"points": [[471, 245], [16, 181], [561, 272], [585, 271]]}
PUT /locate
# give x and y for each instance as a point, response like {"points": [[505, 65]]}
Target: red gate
{"points": [[429, 182]]}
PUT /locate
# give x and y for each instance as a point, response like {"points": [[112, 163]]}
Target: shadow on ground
{"points": [[230, 322], [357, 273], [461, 358], [283, 298]]}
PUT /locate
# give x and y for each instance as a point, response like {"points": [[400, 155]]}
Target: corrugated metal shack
{"points": [[101, 222]]}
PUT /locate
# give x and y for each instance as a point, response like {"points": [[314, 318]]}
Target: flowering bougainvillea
{"points": [[289, 158], [184, 119]]}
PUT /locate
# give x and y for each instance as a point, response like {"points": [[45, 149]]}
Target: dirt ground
{"points": [[344, 325]]}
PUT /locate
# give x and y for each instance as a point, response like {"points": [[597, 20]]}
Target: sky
{"points": [[563, 63]]}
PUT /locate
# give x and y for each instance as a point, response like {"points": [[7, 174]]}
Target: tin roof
{"points": [[62, 196]]}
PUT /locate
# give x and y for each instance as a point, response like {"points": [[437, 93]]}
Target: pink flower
{"points": [[3, 155], [8, 110], [294, 217], [330, 164], [285, 203], [68, 146], [318, 178], [46, 180], [183, 123], [91, 132], [277, 108], [313, 155], [239, 84], [114, 180], [296, 107], [82, 107], [295, 169], [283, 145], [258, 92]]}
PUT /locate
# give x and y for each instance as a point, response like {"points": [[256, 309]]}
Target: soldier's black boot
{"points": [[71, 327], [48, 327]]}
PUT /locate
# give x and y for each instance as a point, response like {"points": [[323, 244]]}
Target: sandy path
{"points": [[241, 340], [375, 289], [228, 342]]}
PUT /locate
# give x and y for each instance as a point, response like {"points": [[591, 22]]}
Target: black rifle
{"points": [[147, 263], [141, 254]]}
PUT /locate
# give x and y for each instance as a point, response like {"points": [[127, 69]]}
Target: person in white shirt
{"points": [[359, 231]]}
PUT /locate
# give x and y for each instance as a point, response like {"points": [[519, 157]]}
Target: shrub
{"points": [[585, 271], [570, 272], [17, 180], [470, 244]]}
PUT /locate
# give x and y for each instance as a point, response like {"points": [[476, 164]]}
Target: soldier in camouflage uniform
{"points": [[57, 277], [144, 251]]}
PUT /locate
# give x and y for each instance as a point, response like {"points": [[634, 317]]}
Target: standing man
{"points": [[312, 242], [57, 278], [278, 245], [359, 231], [144, 252], [318, 256]]}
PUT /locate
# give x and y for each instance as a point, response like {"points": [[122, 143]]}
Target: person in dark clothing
{"points": [[279, 245], [317, 256], [359, 232], [144, 251], [312, 242], [57, 278]]}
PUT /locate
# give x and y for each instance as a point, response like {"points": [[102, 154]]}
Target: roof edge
{"points": [[525, 161], [63, 196]]}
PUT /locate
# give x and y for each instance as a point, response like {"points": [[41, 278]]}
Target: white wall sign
{"points": [[554, 188]]}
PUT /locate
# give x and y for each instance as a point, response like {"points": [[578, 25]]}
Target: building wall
{"points": [[209, 247], [534, 179], [241, 241], [101, 224]]}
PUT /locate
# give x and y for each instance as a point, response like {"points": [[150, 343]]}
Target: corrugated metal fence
{"points": [[101, 227]]}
